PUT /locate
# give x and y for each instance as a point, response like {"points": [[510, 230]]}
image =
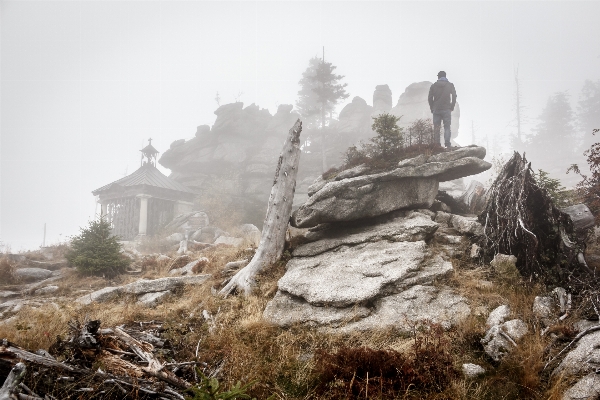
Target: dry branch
{"points": [[279, 210], [130, 365]]}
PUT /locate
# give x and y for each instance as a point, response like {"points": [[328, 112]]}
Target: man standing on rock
{"points": [[442, 99]]}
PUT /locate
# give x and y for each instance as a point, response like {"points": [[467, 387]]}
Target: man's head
{"points": [[442, 74]]}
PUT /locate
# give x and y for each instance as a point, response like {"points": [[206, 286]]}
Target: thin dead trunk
{"points": [[323, 154], [279, 211]]}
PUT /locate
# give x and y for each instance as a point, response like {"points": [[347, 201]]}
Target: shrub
{"points": [[6, 271], [390, 145], [209, 389], [390, 137], [556, 191], [360, 372], [95, 251]]}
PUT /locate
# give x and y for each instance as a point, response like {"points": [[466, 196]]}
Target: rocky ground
{"points": [[387, 279]]}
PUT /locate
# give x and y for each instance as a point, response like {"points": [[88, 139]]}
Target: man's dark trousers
{"points": [[438, 117]]}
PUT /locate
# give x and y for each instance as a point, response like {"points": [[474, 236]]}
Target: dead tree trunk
{"points": [[279, 211]]}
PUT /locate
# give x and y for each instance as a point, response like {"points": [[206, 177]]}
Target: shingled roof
{"points": [[148, 175]]}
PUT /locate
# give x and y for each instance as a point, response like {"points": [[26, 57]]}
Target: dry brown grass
{"points": [[283, 361]]}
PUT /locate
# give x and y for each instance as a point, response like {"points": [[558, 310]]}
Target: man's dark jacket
{"points": [[442, 95]]}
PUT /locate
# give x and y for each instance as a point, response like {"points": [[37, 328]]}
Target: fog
{"points": [[84, 84]]}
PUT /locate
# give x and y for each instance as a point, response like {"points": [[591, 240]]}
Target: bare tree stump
{"points": [[278, 215]]}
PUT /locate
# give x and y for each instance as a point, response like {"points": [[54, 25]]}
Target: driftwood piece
{"points": [[154, 367], [279, 210], [9, 352], [12, 381]]}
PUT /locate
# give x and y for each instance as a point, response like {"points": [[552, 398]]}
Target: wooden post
{"points": [[278, 215]]}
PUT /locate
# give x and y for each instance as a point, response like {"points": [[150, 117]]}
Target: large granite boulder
{"points": [[414, 184], [367, 276], [234, 161]]}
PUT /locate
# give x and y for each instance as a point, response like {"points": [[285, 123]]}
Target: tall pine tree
{"points": [[320, 91]]}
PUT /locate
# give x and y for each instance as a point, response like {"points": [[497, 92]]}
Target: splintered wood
{"points": [[94, 363]]}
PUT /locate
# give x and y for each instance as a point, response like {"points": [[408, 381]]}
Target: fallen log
{"points": [[279, 210]]}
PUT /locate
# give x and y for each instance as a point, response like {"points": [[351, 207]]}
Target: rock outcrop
{"points": [[366, 276], [356, 194], [233, 162], [141, 288]]}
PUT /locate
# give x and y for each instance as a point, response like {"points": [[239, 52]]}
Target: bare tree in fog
{"points": [[517, 141]]}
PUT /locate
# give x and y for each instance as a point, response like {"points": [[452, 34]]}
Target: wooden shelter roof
{"points": [[147, 175]]}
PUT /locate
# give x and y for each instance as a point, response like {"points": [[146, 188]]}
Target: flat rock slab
{"points": [[154, 299], [583, 358], [364, 197], [416, 305], [414, 184], [587, 388], [142, 286], [416, 227], [32, 274], [350, 275], [5, 294]]}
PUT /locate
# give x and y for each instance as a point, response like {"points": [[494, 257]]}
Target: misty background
{"points": [[84, 84]]}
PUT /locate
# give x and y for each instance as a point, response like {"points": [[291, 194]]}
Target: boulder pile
{"points": [[366, 261]]}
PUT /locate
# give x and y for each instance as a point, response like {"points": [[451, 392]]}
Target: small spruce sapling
{"points": [[390, 137], [95, 251]]}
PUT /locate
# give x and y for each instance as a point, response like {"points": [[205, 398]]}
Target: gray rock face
{"points": [[472, 370], [499, 340], [32, 274], [352, 275], [498, 316], [467, 225], [188, 268], [141, 286], [357, 198], [414, 228], [503, 259], [153, 299], [47, 290], [544, 307], [382, 99], [587, 388], [413, 184], [364, 277], [583, 358]]}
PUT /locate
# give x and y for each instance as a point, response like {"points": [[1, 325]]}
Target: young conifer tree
{"points": [[95, 251]]}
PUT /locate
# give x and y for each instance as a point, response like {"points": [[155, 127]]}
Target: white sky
{"points": [[85, 83]]}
